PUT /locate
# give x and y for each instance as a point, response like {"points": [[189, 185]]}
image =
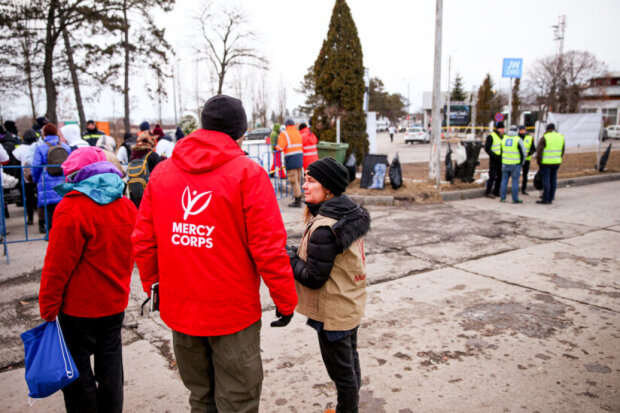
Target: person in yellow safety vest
{"points": [[309, 141], [513, 155], [549, 157], [492, 147], [290, 142], [92, 134], [530, 148]]}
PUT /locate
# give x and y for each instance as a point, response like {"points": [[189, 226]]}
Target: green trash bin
{"points": [[333, 149]]}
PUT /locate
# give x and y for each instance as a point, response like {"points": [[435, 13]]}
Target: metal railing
{"points": [[3, 204]]}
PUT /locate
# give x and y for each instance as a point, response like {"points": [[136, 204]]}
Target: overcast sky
{"points": [[397, 39]]}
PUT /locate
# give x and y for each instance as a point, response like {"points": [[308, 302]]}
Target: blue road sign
{"points": [[512, 67], [499, 117]]}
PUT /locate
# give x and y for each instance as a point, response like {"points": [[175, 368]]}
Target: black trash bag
{"points": [[396, 173], [351, 165], [603, 161], [448, 162], [538, 181]]}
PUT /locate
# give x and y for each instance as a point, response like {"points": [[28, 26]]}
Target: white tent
{"points": [[579, 129]]}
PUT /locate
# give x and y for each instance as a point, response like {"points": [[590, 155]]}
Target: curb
{"points": [[384, 200], [562, 183]]}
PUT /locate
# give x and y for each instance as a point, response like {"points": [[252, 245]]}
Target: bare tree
{"points": [[281, 102], [20, 52], [555, 83], [260, 100], [227, 40]]}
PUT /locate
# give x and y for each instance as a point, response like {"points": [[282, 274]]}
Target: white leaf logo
{"points": [[189, 200]]}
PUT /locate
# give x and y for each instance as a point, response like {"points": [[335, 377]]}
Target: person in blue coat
{"points": [[47, 198]]}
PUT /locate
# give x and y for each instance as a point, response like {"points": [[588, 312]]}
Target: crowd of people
{"points": [[510, 155], [204, 230]]}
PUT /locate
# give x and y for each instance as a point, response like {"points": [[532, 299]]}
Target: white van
{"points": [[613, 131]]}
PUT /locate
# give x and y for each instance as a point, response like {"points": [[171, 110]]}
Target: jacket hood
{"points": [[165, 138], [52, 139], [205, 150], [100, 181], [353, 219], [30, 136], [71, 134]]}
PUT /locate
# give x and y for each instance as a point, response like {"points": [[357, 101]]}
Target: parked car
{"points": [[613, 131], [258, 134], [416, 134]]}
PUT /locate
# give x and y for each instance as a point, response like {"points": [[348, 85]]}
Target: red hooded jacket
{"points": [[89, 260], [209, 227]]}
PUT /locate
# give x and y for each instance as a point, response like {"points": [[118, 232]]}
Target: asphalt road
{"points": [[473, 306]]}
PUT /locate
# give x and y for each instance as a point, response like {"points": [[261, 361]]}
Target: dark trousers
{"points": [[343, 366], [549, 175], [31, 199], [223, 373], [101, 391], [495, 179], [46, 216], [525, 169]]}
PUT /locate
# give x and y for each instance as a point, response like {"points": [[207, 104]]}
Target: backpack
{"points": [[56, 155], [138, 174]]}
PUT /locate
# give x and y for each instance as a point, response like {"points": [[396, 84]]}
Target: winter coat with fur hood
{"points": [[330, 265]]}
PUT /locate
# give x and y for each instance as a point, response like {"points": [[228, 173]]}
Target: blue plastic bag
{"points": [[49, 365]]}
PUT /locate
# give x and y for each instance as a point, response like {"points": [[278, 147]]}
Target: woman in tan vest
{"points": [[330, 273]]}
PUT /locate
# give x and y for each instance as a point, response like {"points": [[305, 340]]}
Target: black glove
{"points": [[282, 320]]}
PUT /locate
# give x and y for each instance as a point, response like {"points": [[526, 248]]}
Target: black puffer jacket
{"points": [[324, 244]]}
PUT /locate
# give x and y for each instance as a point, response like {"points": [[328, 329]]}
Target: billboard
{"points": [[459, 115]]}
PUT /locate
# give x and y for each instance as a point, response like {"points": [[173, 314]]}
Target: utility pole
{"points": [[448, 106], [473, 111], [433, 165], [510, 104]]}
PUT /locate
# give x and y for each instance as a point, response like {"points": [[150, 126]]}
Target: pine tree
{"points": [[516, 102], [458, 94], [339, 82], [484, 113]]}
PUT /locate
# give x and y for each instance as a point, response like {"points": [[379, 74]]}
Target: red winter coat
{"points": [[209, 227], [309, 141], [89, 259]]}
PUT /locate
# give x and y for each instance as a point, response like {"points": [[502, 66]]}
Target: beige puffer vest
{"points": [[341, 301]]}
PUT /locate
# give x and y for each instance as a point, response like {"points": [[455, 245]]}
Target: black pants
{"points": [[31, 199], [102, 391], [524, 170], [343, 366], [495, 179], [42, 217]]}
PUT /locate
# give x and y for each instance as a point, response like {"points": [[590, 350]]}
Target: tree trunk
{"points": [[29, 81], [74, 78], [126, 82], [50, 42]]}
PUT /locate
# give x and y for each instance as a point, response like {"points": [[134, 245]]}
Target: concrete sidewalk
{"points": [[473, 306]]}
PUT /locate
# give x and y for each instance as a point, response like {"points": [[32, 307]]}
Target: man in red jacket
{"points": [[86, 276], [208, 229]]}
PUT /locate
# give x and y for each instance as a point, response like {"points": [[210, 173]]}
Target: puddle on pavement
{"points": [[538, 319]]}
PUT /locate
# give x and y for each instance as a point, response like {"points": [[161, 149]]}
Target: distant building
{"points": [[603, 96]]}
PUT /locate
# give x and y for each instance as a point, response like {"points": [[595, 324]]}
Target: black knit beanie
{"points": [[331, 174], [224, 114]]}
